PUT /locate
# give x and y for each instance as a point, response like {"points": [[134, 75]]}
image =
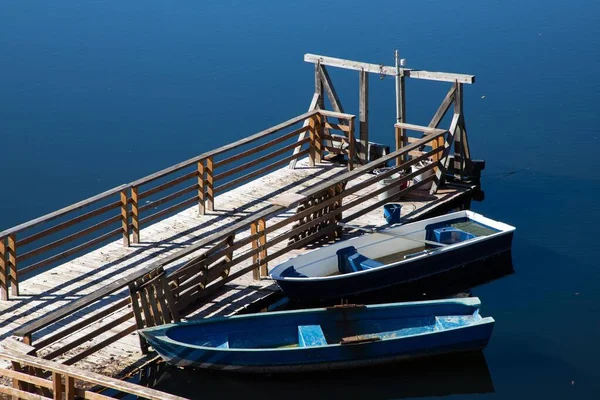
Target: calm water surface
{"points": [[94, 94]]}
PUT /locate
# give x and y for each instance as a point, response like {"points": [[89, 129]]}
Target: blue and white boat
{"points": [[324, 338], [392, 256]]}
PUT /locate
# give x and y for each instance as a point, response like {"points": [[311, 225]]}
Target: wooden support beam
{"points": [[57, 386], [363, 115], [135, 214], [312, 125], [12, 264], [330, 90], [318, 140], [4, 279], [125, 218], [458, 146], [388, 70], [443, 108]]}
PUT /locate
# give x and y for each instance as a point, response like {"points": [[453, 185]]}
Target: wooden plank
{"points": [[338, 127], [350, 150], [443, 108], [26, 378], [167, 185], [363, 115], [63, 211], [262, 241], [21, 394], [388, 70], [419, 128], [69, 388], [255, 256], [314, 104]]}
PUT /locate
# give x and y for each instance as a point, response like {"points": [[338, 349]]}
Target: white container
{"points": [[392, 188], [422, 176]]}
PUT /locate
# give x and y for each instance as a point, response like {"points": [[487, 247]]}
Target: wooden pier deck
{"points": [[197, 238], [59, 286]]}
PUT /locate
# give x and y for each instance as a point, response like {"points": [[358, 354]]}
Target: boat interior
{"points": [[337, 326]]}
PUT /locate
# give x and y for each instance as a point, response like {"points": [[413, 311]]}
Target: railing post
{"points": [[399, 143], [201, 189], [312, 144], [210, 195], [135, 214], [12, 264], [57, 386], [318, 137], [3, 271], [351, 140], [124, 218], [262, 226], [69, 387], [255, 255]]}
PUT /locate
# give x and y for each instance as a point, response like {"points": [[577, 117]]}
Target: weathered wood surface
{"points": [[92, 272], [388, 70]]}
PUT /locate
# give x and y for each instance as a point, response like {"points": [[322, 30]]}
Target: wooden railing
{"points": [[216, 260], [34, 378], [124, 210]]}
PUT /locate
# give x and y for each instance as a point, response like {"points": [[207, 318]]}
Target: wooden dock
{"points": [[76, 284]]}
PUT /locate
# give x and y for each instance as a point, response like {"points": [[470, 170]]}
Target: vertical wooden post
{"points": [[57, 386], [12, 264], [264, 266], [351, 140], [255, 254], [312, 145], [363, 115], [399, 143], [201, 184], [210, 195], [69, 388], [4, 282], [319, 123], [16, 383], [458, 146], [124, 218], [135, 213]]}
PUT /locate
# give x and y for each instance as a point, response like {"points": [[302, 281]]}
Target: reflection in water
{"points": [[436, 376]]}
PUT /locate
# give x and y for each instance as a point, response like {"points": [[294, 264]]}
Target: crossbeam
{"points": [[389, 70]]}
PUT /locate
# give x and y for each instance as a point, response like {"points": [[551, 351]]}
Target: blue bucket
{"points": [[391, 212]]}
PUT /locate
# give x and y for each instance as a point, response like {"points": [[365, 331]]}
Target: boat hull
{"points": [[403, 331], [383, 278]]}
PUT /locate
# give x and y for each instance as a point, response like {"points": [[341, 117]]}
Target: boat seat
{"points": [[311, 335], [350, 260]]}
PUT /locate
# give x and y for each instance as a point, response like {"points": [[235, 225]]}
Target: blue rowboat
{"points": [[324, 338], [392, 256]]}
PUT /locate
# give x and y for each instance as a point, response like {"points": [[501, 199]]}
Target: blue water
{"points": [[97, 93]]}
